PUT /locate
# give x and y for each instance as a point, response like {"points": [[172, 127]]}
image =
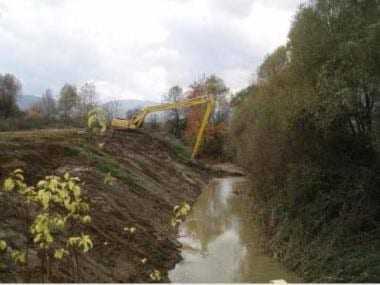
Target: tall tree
{"points": [[87, 98], [304, 134], [216, 132], [216, 87], [10, 89], [48, 105], [334, 46], [113, 109], [175, 94], [68, 100]]}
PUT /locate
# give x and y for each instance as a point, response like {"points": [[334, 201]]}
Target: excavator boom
{"points": [[138, 119]]}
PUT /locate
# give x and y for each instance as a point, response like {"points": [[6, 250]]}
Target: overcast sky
{"points": [[138, 48]]}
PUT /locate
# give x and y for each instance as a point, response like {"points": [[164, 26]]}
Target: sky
{"points": [[138, 49]]}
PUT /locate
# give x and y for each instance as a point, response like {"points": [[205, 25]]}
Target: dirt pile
{"points": [[151, 177]]}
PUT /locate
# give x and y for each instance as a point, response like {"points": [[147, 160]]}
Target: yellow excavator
{"points": [[138, 118]]}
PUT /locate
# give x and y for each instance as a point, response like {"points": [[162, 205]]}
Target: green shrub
{"points": [[304, 133], [55, 211]]}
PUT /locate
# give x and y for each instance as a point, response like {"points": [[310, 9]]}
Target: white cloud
{"points": [[138, 48]]}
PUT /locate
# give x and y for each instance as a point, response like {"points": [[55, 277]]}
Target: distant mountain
{"points": [[24, 102], [122, 106]]}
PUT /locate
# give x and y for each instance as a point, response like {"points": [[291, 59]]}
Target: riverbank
{"points": [[325, 235], [150, 177]]}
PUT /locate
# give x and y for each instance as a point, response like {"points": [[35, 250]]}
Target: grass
{"points": [[105, 164], [181, 151], [75, 144], [38, 135]]}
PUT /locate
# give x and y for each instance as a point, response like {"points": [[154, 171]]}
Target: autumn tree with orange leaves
{"points": [[216, 131]]}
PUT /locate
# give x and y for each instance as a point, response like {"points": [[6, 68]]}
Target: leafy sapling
{"points": [[97, 121], [155, 275], [58, 211], [180, 212], [61, 211]]}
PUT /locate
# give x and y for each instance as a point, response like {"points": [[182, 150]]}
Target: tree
{"points": [[113, 109], [242, 95], [216, 87], [334, 47], [304, 135], [10, 89], [129, 113], [68, 100], [35, 111], [87, 98], [215, 134], [48, 105], [194, 114], [154, 121], [273, 63], [175, 94]]}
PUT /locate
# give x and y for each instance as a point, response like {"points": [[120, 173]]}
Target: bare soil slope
{"points": [[151, 178]]}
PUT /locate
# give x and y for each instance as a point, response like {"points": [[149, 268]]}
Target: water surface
{"points": [[219, 240]]}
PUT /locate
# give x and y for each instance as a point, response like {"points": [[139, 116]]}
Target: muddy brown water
{"points": [[219, 240]]}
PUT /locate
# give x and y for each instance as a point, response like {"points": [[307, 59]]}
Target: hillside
{"points": [[24, 102], [151, 177]]}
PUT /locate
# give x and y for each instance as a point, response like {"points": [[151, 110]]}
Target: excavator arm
{"points": [[138, 119]]}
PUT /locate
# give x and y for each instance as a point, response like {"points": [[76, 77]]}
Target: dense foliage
{"points": [[305, 132], [69, 109], [10, 88], [216, 133]]}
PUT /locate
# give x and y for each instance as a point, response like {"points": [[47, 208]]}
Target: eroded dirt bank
{"points": [[151, 178]]}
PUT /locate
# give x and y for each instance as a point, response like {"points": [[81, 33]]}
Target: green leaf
{"points": [[41, 183], [44, 198], [103, 128], [9, 184], [18, 171], [85, 243], [73, 241], [186, 206], [37, 238], [76, 191], [19, 176], [84, 207], [60, 253], [18, 257], [91, 121], [86, 219], [108, 179], [175, 222], [155, 275], [60, 223], [3, 245]]}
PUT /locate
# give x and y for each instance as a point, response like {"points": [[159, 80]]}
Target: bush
{"points": [[304, 134]]}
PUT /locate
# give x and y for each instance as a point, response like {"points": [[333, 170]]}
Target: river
{"points": [[219, 240]]}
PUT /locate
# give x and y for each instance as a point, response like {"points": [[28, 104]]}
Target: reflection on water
{"points": [[219, 240]]}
